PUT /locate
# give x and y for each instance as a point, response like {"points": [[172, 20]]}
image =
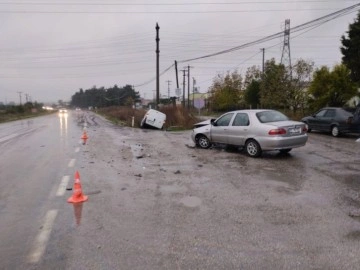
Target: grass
{"points": [[8, 117], [177, 118]]}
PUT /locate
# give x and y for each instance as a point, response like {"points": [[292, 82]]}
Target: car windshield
{"points": [[271, 116]]}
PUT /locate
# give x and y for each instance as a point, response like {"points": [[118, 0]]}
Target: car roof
{"points": [[251, 110], [336, 108]]}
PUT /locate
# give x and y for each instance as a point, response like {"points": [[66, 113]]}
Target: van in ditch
{"points": [[154, 119]]}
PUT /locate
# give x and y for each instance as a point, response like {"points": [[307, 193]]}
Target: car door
{"points": [[220, 128], [328, 119], [316, 122], [238, 129], [355, 125]]}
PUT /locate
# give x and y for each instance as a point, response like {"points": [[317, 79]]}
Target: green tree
{"points": [[252, 86], [252, 73], [297, 94], [226, 92], [101, 97], [331, 88], [252, 94], [273, 86], [351, 49]]}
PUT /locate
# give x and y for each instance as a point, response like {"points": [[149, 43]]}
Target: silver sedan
{"points": [[256, 130]]}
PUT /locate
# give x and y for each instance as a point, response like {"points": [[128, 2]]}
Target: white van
{"points": [[153, 118]]}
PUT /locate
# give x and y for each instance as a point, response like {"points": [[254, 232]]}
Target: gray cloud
{"points": [[53, 50]]}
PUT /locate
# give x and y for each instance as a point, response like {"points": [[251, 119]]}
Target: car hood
{"points": [[203, 123]]}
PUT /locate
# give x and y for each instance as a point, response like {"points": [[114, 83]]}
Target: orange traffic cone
{"points": [[84, 137], [77, 196]]}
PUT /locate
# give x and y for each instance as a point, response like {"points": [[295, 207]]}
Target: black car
{"points": [[335, 120]]}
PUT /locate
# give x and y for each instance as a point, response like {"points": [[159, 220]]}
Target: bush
{"points": [[176, 117], [123, 115]]}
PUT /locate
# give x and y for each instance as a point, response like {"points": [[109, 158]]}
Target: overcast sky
{"points": [[49, 49]]}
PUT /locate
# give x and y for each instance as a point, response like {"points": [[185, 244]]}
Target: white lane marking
{"points": [[71, 163], [63, 184], [77, 149], [9, 137], [43, 237]]}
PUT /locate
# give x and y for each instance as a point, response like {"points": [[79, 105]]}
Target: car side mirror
{"points": [[212, 122]]}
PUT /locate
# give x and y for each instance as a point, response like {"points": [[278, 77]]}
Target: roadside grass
{"points": [[122, 115], [8, 117], [177, 118]]}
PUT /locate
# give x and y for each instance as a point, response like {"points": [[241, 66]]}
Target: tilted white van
{"points": [[153, 118]]}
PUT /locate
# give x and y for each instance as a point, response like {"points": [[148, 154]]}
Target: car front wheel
{"points": [[335, 131], [253, 148], [203, 142]]}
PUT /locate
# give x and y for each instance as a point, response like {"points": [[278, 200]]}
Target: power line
{"points": [[160, 12], [166, 4], [301, 27]]}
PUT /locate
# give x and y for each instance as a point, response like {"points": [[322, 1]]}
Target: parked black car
{"points": [[334, 120]]}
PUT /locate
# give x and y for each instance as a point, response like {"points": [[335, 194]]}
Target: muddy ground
{"points": [[156, 202]]}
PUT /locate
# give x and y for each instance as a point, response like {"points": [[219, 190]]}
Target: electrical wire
{"points": [[319, 21], [300, 27], [161, 12], [167, 4]]}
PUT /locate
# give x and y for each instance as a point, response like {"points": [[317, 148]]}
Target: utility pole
{"points": [[188, 71], [157, 66], [193, 97], [20, 96], [169, 82], [263, 60], [183, 101], [176, 74]]}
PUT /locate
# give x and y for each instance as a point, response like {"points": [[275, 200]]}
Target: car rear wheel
{"points": [[335, 131], [284, 151], [253, 148], [203, 142]]}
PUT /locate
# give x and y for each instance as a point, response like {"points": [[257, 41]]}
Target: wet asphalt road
{"points": [[155, 202]]}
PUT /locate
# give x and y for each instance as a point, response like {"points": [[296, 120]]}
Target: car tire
{"points": [[335, 131], [203, 142], [285, 151], [253, 148]]}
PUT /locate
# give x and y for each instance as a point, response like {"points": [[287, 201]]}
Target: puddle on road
{"points": [[269, 169], [78, 212], [191, 201]]}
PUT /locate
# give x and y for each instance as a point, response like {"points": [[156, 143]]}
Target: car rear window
{"points": [[349, 111], [271, 116]]}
